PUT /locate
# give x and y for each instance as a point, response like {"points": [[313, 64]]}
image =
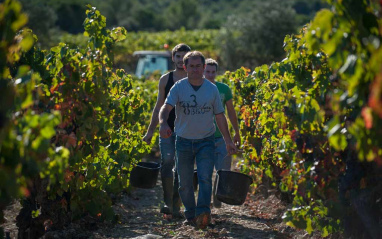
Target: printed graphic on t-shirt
{"points": [[191, 107]]}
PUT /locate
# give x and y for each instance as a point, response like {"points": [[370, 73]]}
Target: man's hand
{"points": [[236, 139], [148, 136], [231, 148], [165, 131]]}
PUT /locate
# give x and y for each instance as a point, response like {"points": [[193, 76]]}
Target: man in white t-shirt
{"points": [[197, 103]]}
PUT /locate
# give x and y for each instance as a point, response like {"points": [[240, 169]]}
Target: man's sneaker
{"points": [[167, 214], [190, 222], [165, 210], [167, 217], [203, 220]]}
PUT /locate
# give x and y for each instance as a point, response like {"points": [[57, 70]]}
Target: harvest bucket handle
{"points": [[237, 173], [238, 151]]}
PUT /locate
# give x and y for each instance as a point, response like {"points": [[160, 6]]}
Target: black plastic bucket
{"points": [[145, 175], [232, 187]]}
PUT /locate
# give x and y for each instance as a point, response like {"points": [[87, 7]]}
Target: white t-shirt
{"points": [[195, 110]]}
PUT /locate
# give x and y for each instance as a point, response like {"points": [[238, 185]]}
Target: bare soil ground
{"points": [[139, 217]]}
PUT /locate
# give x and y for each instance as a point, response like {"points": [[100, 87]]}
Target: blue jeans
{"points": [[222, 158], [201, 150], [167, 150], [169, 175]]}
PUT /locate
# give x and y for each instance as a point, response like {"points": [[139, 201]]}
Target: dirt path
{"points": [[139, 217]]}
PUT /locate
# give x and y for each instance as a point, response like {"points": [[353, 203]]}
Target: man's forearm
{"points": [[233, 118], [163, 114], [154, 120]]}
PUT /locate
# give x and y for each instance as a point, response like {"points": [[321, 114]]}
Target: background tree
{"points": [[41, 17], [256, 38], [182, 13]]}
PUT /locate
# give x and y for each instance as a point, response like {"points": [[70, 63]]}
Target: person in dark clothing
{"points": [[169, 177]]}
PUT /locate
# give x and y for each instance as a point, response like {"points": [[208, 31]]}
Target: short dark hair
{"points": [[180, 47], [212, 62], [193, 54]]}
